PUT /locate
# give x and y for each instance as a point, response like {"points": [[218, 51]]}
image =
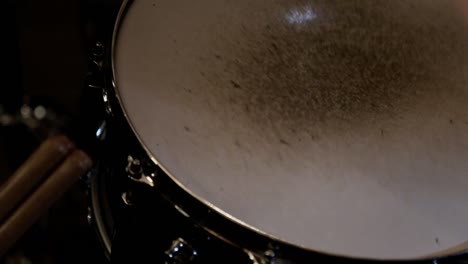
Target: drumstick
{"points": [[75, 165], [44, 159]]}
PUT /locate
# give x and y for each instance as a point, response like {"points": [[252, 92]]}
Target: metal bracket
{"points": [[135, 172], [267, 257], [97, 53], [180, 252], [101, 131]]}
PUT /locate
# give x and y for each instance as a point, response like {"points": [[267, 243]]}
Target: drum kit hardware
{"points": [[135, 172], [181, 252], [126, 198], [287, 132], [101, 131]]}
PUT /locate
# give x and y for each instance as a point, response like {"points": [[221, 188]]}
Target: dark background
{"points": [[44, 48]]}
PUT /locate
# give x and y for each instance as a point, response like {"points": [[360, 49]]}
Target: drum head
{"points": [[340, 126]]}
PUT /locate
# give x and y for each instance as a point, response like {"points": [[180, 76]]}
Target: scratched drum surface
{"points": [[339, 126]]}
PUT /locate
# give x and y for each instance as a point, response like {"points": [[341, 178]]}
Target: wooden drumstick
{"points": [[75, 165], [44, 159]]}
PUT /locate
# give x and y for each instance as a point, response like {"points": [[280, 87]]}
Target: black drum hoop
{"points": [[100, 213]]}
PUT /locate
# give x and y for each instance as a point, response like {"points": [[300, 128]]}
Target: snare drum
{"points": [[292, 130]]}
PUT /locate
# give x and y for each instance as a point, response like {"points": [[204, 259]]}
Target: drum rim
{"points": [[97, 209], [113, 97]]}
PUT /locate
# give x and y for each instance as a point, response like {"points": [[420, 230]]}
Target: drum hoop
{"points": [[97, 212], [198, 209]]}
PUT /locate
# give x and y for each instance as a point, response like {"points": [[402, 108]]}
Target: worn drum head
{"points": [[338, 126]]}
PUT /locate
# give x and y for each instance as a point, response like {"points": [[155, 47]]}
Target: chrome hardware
{"points": [[134, 167], [267, 257], [107, 105], [135, 172], [180, 252], [126, 198], [101, 131], [97, 54], [98, 63], [180, 210], [94, 80], [256, 258], [98, 50], [89, 215], [95, 77], [270, 254]]}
